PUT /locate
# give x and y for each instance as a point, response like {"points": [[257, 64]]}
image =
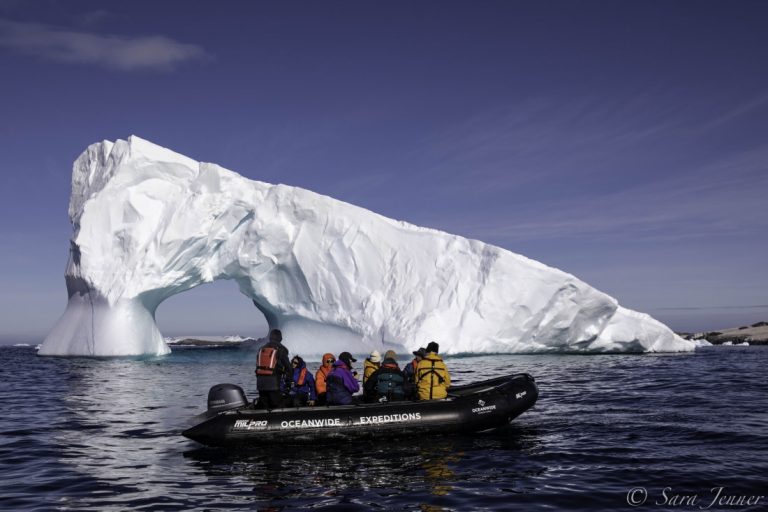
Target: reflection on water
{"points": [[437, 471], [422, 471], [105, 434]]}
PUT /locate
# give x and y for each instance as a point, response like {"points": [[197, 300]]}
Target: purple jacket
{"points": [[341, 384]]}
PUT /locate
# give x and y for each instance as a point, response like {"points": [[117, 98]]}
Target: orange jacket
{"points": [[322, 373]]}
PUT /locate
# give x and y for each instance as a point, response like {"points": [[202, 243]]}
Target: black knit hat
{"points": [[275, 335], [433, 347]]}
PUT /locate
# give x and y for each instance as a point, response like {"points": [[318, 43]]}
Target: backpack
{"points": [[390, 385]]}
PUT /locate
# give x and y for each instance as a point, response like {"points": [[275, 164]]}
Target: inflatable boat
{"points": [[232, 421]]}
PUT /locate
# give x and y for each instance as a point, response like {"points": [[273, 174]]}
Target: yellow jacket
{"points": [[368, 368], [432, 377]]}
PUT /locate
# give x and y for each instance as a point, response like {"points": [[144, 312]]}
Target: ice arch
{"points": [[150, 223]]}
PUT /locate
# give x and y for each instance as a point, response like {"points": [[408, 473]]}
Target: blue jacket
{"points": [[341, 385], [306, 386]]}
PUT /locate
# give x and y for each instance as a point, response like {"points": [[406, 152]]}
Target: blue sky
{"points": [[623, 142]]}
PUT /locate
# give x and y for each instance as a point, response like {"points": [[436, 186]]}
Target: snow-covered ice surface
{"points": [[150, 223]]}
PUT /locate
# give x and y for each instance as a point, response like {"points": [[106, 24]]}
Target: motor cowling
{"points": [[223, 397]]}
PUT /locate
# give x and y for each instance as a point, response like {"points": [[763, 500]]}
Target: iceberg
{"points": [[149, 223]]}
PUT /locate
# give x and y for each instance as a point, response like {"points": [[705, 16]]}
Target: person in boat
{"points": [[320, 376], [410, 374], [387, 384], [371, 364], [432, 377], [342, 383], [302, 389], [272, 368]]}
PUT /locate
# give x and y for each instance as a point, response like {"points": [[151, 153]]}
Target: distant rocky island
{"points": [[210, 341], [755, 334]]}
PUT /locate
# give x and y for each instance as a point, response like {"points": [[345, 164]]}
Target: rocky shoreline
{"points": [[209, 343], [755, 334]]}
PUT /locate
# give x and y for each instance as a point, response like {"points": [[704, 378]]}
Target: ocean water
{"points": [[609, 432]]}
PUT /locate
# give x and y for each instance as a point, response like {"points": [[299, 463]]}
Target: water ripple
{"points": [[104, 435]]}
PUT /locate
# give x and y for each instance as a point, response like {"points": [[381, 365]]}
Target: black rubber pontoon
{"points": [[471, 408]]}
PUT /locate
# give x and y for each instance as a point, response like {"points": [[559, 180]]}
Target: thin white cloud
{"points": [[534, 147], [535, 140], [748, 107], [114, 52], [724, 197]]}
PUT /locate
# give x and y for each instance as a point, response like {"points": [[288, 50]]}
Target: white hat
{"points": [[375, 357]]}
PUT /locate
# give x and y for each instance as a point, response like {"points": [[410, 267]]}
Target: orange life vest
{"points": [[266, 361], [302, 377]]}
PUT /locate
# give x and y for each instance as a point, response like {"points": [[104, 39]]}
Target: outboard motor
{"points": [[223, 397]]}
